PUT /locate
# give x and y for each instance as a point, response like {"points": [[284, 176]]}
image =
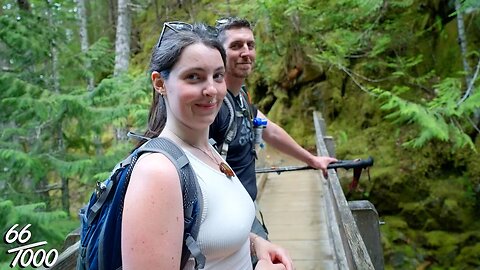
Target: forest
{"points": [[394, 79]]}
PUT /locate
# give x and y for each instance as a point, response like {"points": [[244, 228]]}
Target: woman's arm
{"points": [[152, 226]]}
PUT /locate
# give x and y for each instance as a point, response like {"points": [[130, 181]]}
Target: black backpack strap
{"points": [[222, 148], [192, 195], [103, 192], [251, 109], [251, 112]]}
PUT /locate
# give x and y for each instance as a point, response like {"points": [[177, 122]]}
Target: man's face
{"points": [[240, 48]]}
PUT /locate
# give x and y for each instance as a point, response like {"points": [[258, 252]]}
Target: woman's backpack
{"points": [[101, 220]]}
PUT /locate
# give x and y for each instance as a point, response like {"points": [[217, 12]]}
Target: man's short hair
{"points": [[228, 23]]}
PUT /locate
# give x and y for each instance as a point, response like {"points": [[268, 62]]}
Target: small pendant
{"points": [[225, 169]]}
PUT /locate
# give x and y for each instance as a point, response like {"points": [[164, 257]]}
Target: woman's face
{"points": [[195, 88]]}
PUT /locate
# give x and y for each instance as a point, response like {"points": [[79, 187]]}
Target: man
{"points": [[236, 36]]}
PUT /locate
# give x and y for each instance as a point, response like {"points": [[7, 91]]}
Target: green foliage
{"points": [[44, 225], [409, 116], [52, 128], [440, 118]]}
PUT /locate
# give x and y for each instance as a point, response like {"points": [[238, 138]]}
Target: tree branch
{"points": [[49, 188], [470, 86], [7, 69], [473, 124], [356, 82]]}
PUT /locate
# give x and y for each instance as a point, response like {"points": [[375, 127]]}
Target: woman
{"points": [[187, 69]]}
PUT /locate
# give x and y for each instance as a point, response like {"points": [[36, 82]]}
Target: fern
{"points": [[433, 119]]}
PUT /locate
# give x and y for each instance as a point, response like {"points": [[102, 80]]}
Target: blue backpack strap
{"points": [[192, 196], [103, 189]]}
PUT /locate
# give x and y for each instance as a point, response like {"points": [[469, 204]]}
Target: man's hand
{"points": [[321, 163]]}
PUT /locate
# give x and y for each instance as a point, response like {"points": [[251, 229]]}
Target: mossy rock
{"points": [[437, 239], [469, 257]]}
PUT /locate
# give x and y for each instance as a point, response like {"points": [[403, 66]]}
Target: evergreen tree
{"points": [[49, 119]]}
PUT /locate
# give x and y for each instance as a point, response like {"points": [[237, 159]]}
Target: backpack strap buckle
{"points": [[195, 251], [100, 187]]}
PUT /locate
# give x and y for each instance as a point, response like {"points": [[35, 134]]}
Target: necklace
{"points": [[222, 166]]}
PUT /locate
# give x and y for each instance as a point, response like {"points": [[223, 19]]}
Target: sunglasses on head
{"points": [[175, 26], [223, 21], [229, 22]]}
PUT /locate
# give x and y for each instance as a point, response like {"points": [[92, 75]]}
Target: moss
{"points": [[438, 239], [468, 257]]}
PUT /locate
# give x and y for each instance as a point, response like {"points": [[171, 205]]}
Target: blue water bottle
{"points": [[258, 125]]}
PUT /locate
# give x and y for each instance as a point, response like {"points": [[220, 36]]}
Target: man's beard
{"points": [[241, 74]]}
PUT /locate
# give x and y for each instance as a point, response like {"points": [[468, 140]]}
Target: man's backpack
{"points": [[250, 111], [100, 244]]}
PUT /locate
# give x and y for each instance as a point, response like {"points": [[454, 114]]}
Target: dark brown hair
{"points": [[164, 57]]}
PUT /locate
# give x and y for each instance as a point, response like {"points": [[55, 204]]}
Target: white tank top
{"points": [[228, 213]]}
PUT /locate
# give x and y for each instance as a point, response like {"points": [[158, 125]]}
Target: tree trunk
{"points": [[112, 14], [23, 5], [462, 40], [84, 44], [157, 13], [229, 11], [122, 38], [65, 196], [122, 50], [56, 88]]}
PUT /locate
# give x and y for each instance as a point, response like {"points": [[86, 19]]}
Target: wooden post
{"points": [[366, 217], [67, 259], [330, 144]]}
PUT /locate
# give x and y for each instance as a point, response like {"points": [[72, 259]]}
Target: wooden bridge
{"points": [[294, 211], [308, 215]]}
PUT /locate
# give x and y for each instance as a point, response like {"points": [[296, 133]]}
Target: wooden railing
{"points": [[351, 250], [67, 260]]}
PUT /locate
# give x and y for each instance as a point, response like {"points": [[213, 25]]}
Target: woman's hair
{"points": [[165, 55]]}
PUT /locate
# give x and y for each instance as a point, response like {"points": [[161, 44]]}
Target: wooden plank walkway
{"points": [[294, 211]]}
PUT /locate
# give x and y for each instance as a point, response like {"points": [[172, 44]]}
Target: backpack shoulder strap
{"points": [[252, 109], [222, 148], [192, 195]]}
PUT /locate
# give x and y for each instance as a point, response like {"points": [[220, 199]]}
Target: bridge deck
{"points": [[294, 211]]}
